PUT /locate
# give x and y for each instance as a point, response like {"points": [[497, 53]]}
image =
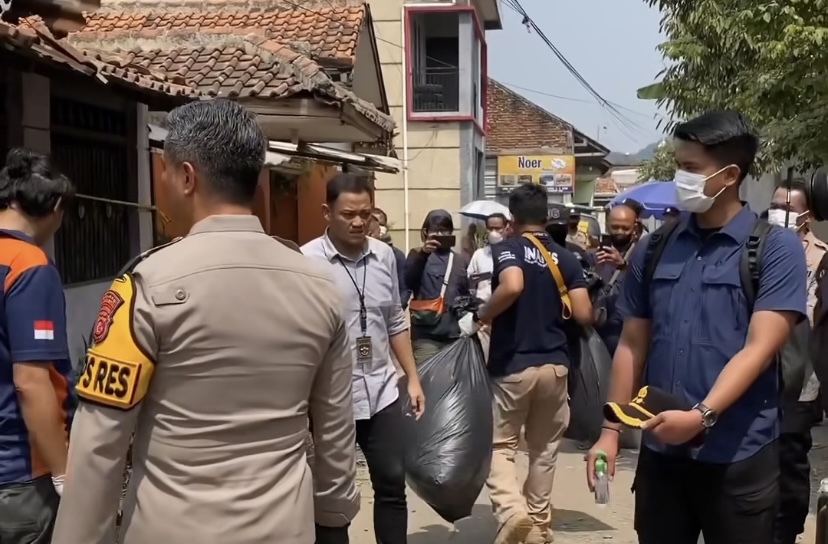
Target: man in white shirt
{"points": [[481, 265]]}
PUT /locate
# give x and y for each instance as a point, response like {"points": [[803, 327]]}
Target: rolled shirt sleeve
{"points": [[396, 323]]}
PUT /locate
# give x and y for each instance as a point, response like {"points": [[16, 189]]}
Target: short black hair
{"points": [[725, 135], [29, 181], [797, 186], [439, 219], [223, 141], [348, 183], [497, 216], [528, 204]]}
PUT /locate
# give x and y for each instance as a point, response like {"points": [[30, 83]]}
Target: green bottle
{"points": [[602, 496]]}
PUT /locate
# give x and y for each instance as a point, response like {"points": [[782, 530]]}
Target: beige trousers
{"points": [[537, 400]]}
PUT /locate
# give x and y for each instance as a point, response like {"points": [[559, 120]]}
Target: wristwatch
{"points": [[709, 417]]}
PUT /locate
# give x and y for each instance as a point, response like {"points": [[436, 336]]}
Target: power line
{"points": [[615, 113], [616, 116], [580, 100]]}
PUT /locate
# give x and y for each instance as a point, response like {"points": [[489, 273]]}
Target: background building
{"points": [[433, 58]]}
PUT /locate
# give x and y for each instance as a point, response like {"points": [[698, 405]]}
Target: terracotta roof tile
{"points": [[516, 123], [34, 38], [325, 34], [221, 63], [605, 187]]}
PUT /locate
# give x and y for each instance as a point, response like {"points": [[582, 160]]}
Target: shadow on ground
{"points": [[475, 529], [480, 527], [572, 521]]}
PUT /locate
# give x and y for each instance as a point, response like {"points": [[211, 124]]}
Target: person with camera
{"points": [[538, 286], [611, 266], [694, 329], [436, 276]]}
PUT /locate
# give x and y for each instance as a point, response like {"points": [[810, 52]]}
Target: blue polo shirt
{"points": [[531, 331], [699, 320], [32, 330]]}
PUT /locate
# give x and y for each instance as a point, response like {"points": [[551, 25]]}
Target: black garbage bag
{"points": [[449, 449], [589, 378]]}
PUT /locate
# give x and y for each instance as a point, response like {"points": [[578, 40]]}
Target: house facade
{"points": [[90, 116], [525, 142], [310, 71], [433, 57]]}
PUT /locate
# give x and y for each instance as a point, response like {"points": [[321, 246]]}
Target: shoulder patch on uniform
{"points": [[117, 372], [135, 261]]}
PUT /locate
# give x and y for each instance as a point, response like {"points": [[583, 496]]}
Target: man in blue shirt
{"points": [[36, 403], [536, 286], [713, 468]]}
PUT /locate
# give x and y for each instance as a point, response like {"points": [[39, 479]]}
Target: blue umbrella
{"points": [[654, 197]]}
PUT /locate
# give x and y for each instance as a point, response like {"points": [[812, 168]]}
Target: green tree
{"points": [[765, 59], [661, 166]]}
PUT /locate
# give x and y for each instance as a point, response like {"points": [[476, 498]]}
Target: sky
{"points": [[611, 43]]}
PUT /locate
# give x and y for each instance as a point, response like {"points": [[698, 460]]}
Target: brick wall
{"points": [[516, 123]]}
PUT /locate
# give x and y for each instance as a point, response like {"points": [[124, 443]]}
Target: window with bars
{"points": [[89, 144]]}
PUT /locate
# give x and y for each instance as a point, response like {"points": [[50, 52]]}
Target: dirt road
{"points": [[577, 519]]}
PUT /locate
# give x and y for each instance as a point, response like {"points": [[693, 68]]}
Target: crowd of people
{"points": [[215, 357]]}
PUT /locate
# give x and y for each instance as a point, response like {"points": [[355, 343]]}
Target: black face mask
{"points": [[558, 233], [620, 241]]}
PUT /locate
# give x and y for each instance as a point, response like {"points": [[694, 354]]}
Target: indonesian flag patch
{"points": [[44, 330]]}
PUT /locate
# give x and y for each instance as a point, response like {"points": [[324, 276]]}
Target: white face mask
{"points": [[690, 191], [383, 230], [777, 219], [495, 237]]}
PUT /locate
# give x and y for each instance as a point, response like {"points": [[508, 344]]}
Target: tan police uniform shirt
{"points": [[815, 250], [579, 238], [214, 351]]}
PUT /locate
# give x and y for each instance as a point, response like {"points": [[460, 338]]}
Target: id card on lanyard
{"points": [[365, 351]]}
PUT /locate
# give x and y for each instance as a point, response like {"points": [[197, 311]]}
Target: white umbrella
{"points": [[482, 209]]}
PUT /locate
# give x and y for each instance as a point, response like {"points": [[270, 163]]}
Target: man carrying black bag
{"points": [[537, 285]]}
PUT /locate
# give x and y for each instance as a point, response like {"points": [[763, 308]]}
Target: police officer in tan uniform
{"points": [[214, 351], [576, 235], [795, 440]]}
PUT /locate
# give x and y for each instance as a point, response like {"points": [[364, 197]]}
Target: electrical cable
{"points": [[617, 117]]}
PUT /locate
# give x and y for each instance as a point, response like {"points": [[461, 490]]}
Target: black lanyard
{"points": [[363, 311]]}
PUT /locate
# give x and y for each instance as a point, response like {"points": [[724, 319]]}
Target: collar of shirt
{"points": [[810, 240], [228, 223], [331, 253], [738, 228], [17, 234]]}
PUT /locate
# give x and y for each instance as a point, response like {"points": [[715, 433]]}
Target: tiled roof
{"points": [[326, 34], [220, 63], [605, 187], [33, 38], [517, 123]]}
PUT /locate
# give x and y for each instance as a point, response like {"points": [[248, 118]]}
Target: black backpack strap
{"points": [[751, 261], [656, 243]]}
